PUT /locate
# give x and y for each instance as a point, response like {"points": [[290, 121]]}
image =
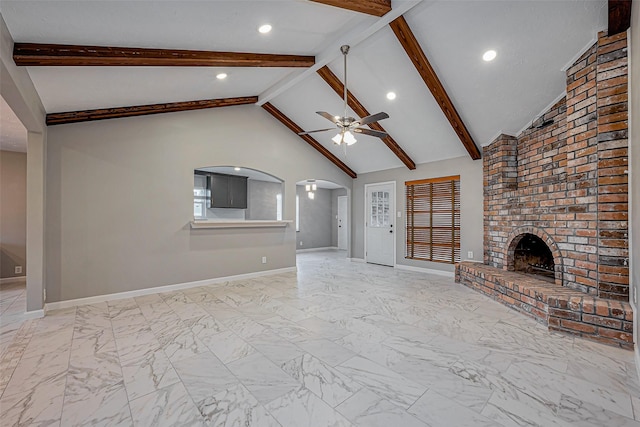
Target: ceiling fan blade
{"points": [[328, 116], [373, 118], [318, 130], [370, 132]]}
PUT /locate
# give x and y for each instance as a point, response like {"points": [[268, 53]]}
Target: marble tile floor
{"points": [[337, 344], [13, 303]]}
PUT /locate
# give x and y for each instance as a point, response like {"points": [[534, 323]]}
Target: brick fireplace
{"points": [[556, 207]]}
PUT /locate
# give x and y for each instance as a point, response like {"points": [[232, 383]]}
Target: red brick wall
{"points": [[613, 230], [564, 179]]}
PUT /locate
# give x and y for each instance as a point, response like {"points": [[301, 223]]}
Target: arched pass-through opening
{"points": [[237, 193]]}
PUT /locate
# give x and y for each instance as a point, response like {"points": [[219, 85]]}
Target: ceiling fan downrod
{"points": [[345, 50]]}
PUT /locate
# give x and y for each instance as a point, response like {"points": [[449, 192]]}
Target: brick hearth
{"points": [[564, 180], [558, 307]]}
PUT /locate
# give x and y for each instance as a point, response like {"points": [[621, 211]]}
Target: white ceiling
{"points": [[534, 41], [13, 135]]}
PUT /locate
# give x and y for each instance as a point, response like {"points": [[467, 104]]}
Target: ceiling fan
{"points": [[345, 124]]}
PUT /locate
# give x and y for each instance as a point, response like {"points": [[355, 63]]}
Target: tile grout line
{"points": [[115, 343], [66, 376]]}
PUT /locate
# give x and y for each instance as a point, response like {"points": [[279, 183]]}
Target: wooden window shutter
{"points": [[433, 219]]}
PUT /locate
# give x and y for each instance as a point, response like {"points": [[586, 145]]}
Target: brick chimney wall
{"points": [[564, 179]]}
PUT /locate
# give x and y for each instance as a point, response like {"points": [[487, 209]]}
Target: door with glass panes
{"points": [[380, 231]]}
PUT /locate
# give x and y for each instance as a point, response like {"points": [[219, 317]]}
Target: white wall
{"points": [[471, 214], [120, 198]]}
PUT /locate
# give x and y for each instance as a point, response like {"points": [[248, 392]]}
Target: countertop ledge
{"points": [[239, 224]]}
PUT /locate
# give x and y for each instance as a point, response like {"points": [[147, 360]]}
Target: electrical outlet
{"points": [[470, 254], [264, 259], [18, 269], [635, 296], [399, 214], [44, 294], [300, 242]]}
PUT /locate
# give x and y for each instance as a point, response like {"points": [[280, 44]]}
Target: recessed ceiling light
{"points": [[264, 29], [489, 55], [391, 96], [236, 169], [221, 76]]}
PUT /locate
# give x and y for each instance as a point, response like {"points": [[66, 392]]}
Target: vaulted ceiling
{"points": [[534, 41]]}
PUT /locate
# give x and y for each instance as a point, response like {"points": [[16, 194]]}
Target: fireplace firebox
{"points": [[532, 256]]}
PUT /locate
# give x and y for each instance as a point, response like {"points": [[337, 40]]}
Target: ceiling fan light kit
{"points": [[347, 125]]}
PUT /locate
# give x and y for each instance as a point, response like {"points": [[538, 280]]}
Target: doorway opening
{"points": [[322, 217], [13, 216]]}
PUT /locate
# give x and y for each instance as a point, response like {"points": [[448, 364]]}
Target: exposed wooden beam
{"points": [[335, 83], [312, 142], [34, 54], [144, 110], [619, 16], [370, 7], [408, 41]]}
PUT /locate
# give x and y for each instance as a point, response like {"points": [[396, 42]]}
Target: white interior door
{"points": [[380, 233], [342, 222]]}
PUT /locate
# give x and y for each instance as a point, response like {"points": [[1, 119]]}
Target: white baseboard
{"points": [[34, 314], [167, 288], [13, 279], [425, 270], [28, 315], [328, 248], [356, 260]]}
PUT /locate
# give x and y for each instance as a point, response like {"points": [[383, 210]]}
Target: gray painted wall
{"points": [[634, 187], [13, 213], [334, 213], [120, 198], [262, 201], [315, 219], [471, 214]]}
